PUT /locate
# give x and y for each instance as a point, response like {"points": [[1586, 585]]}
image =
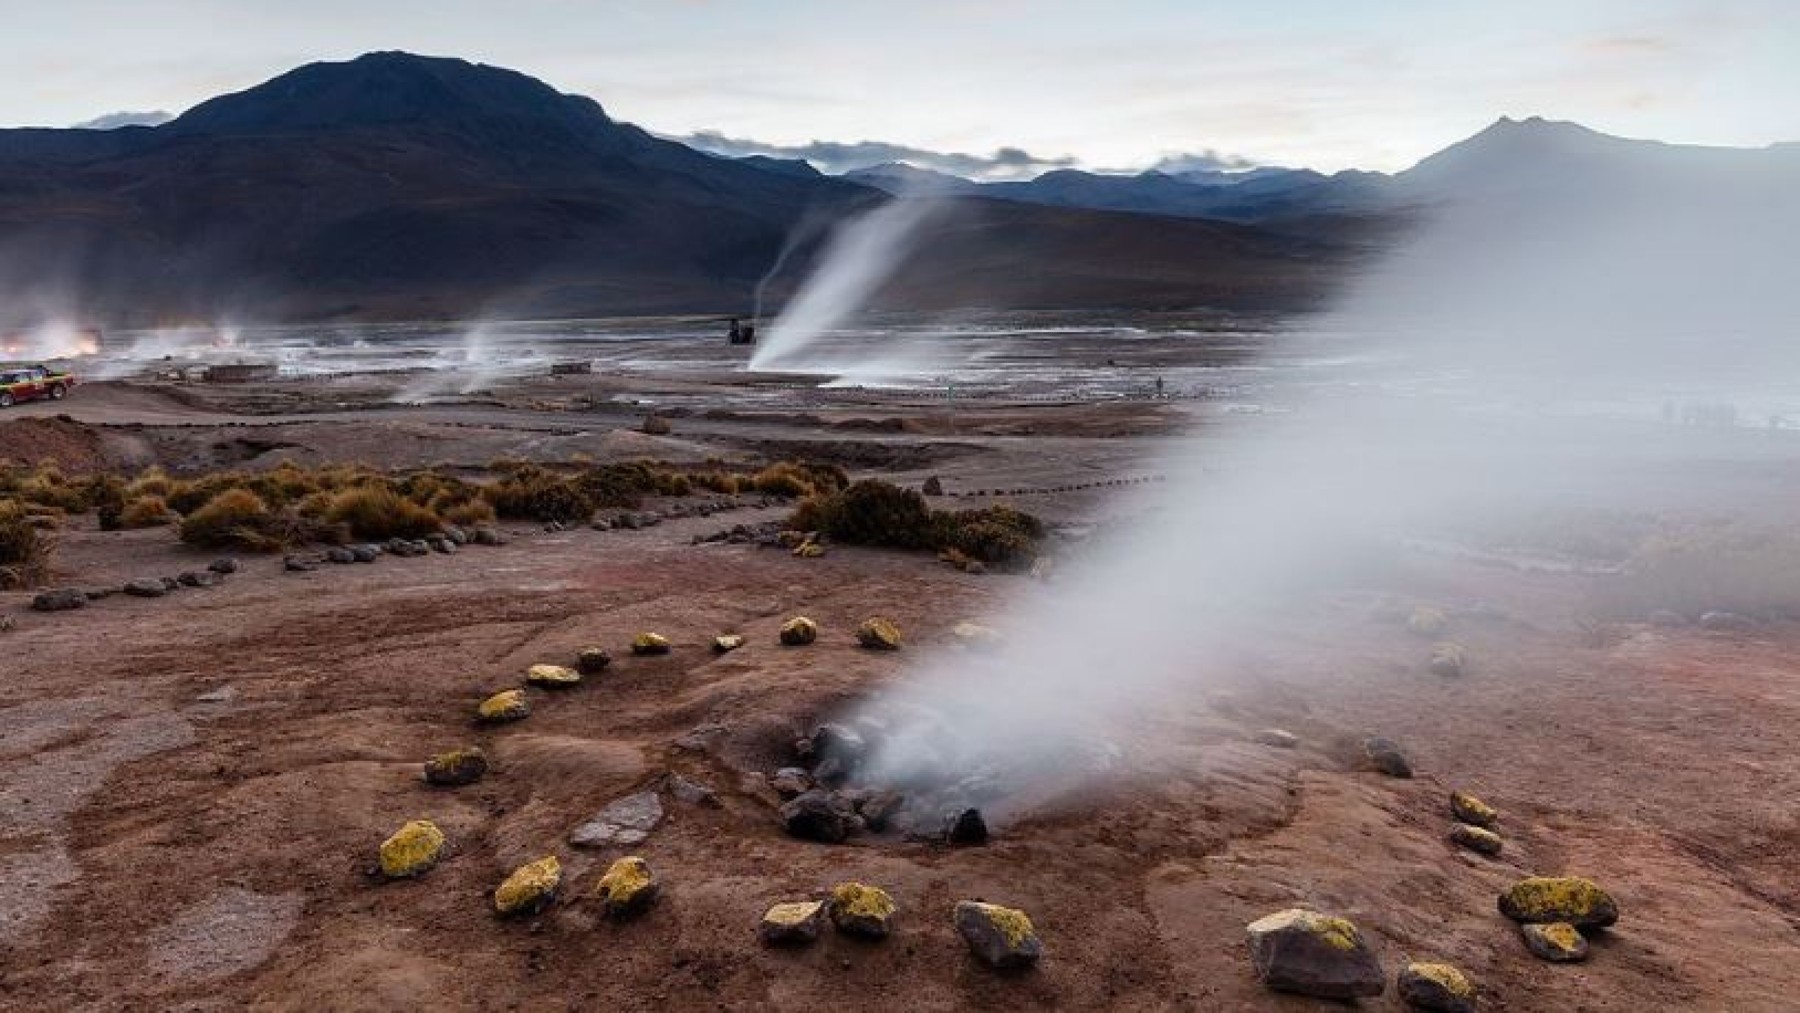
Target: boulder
{"points": [[62, 600], [690, 792], [966, 827], [1314, 954], [1439, 988], [794, 923], [592, 660], [1473, 811], [223, 566], [412, 850], [198, 578], [365, 553], [1278, 738], [799, 632], [1544, 899], [628, 888], [146, 587], [878, 634], [650, 644], [817, 816], [456, 767], [834, 741], [725, 643], [998, 936], [623, 822], [1448, 659], [552, 676], [530, 889], [857, 909], [1557, 942], [504, 706], [339, 554], [1477, 839], [1385, 755], [878, 810]]}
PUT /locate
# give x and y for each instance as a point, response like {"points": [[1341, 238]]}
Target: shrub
{"points": [[529, 491], [106, 496], [48, 488], [234, 519], [377, 513], [784, 479], [146, 512], [153, 482], [879, 513], [997, 534], [24, 549], [469, 514]]}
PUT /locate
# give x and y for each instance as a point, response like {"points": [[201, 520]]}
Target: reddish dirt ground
{"points": [[192, 789]]}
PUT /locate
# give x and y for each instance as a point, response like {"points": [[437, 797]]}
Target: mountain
{"points": [[396, 186]]}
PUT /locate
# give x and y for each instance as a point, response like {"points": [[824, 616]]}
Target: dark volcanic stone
{"points": [[966, 827], [457, 767], [148, 587], [223, 566], [60, 600], [1385, 755], [816, 816], [1314, 954]]}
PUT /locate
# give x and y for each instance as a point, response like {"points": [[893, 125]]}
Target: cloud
{"points": [[113, 121], [1208, 160], [838, 157]]}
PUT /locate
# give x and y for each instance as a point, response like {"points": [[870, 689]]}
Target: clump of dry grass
{"points": [[147, 512], [880, 513], [25, 549], [377, 513]]}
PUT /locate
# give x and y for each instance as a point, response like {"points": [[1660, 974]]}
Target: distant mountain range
{"points": [[396, 186]]}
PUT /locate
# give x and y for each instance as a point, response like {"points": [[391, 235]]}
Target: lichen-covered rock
{"points": [[1557, 942], [795, 923], [456, 767], [858, 909], [552, 676], [1448, 659], [1278, 738], [1427, 621], [817, 816], [625, 821], [412, 850], [628, 888], [1439, 988], [1477, 839], [1544, 899], [530, 889], [799, 632], [1314, 954], [592, 660], [1473, 811], [1385, 755], [879, 634], [998, 936], [725, 643], [506, 705], [650, 644]]}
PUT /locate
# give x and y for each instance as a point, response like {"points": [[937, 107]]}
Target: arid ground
{"points": [[192, 788]]}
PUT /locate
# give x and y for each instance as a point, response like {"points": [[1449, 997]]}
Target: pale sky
{"points": [[1326, 83]]}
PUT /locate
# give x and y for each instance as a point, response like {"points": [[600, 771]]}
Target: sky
{"points": [[1126, 84]]}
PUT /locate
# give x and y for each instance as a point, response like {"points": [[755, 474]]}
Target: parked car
{"points": [[32, 383]]}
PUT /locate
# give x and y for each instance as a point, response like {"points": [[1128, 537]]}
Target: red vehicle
{"points": [[31, 383]]}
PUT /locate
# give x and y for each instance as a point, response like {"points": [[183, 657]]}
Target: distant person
{"points": [[1159, 387]]}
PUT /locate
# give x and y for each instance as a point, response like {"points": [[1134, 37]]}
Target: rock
{"points": [[530, 889], [601, 524], [1277, 738], [650, 644], [791, 781], [198, 578], [725, 643], [365, 553], [592, 660], [628, 522], [1557, 942], [1439, 988], [878, 634], [504, 706], [455, 535], [1385, 755], [64, 599], [835, 741], [98, 593], [1448, 659], [456, 767], [799, 632], [624, 822], [1314, 954], [412, 850], [966, 827], [795, 923], [339, 554], [294, 564], [999, 936], [146, 587], [817, 816], [223, 566], [224, 694], [1727, 622], [1426, 621], [857, 909], [552, 676], [1473, 811], [976, 635], [628, 888], [690, 792], [1667, 619], [1542, 899], [1477, 839], [487, 536], [878, 810]]}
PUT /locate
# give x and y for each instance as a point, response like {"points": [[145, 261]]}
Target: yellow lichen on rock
{"points": [[530, 888], [1338, 933], [879, 634], [1448, 976], [861, 910], [1000, 936], [650, 643], [799, 631], [727, 642], [793, 912], [552, 676], [507, 705], [412, 849], [1580, 902], [1014, 924], [627, 887], [1472, 810]]}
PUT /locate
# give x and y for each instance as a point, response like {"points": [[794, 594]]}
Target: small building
{"points": [[580, 368], [242, 372]]}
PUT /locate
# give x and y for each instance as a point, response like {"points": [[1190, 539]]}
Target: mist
{"points": [[1523, 352]]}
